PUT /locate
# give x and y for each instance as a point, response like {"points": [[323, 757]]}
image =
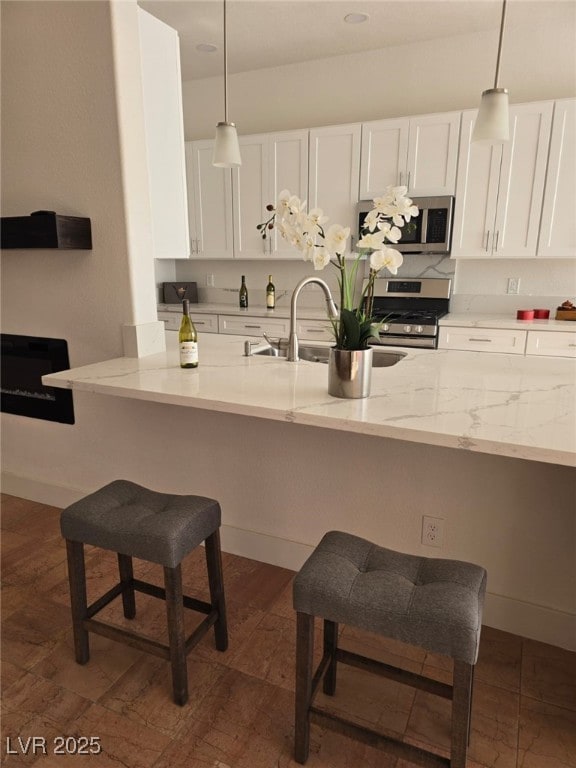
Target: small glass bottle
{"points": [[243, 294], [187, 339], [270, 294]]}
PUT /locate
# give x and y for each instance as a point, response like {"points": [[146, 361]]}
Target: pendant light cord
{"points": [[226, 69], [499, 44]]}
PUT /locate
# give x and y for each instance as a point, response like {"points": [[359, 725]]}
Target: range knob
{"points": [[407, 329], [419, 329], [386, 327]]}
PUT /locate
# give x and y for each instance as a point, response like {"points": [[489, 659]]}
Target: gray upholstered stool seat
{"points": [[432, 603], [161, 528]]}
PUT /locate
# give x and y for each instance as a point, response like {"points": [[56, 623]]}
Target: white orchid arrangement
{"points": [[307, 232]]}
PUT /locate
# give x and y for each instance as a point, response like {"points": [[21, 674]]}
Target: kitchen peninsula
{"points": [[498, 404]]}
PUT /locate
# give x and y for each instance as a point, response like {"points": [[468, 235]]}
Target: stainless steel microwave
{"points": [[429, 232]]}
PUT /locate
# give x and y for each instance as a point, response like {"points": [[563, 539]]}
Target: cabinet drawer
{"points": [[203, 323], [315, 330], [254, 326], [483, 340], [552, 343]]}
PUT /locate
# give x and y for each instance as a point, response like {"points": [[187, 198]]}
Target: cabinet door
{"points": [[522, 177], [482, 339], [433, 154], [210, 205], [551, 343], [250, 195], [558, 229], [164, 128], [384, 156], [288, 167], [476, 194], [334, 173]]}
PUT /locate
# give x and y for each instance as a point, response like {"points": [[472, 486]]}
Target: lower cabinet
{"points": [[254, 326], [551, 343], [204, 323], [314, 330], [482, 339]]}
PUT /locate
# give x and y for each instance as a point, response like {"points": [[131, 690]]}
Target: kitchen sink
{"points": [[381, 358]]}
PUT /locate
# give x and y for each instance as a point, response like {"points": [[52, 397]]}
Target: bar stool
{"points": [[432, 603], [161, 528]]}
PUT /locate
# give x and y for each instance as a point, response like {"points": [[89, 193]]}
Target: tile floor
{"points": [[241, 707]]}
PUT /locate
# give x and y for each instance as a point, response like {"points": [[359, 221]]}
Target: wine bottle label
{"points": [[270, 300], [188, 352]]}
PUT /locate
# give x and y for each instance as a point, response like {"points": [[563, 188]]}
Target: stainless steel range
{"points": [[410, 310]]}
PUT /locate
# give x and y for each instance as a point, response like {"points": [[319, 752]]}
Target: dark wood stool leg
{"points": [[330, 648], [461, 703], [304, 661], [78, 601], [127, 577], [216, 583], [177, 640]]}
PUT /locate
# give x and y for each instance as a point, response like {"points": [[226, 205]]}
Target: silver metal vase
{"points": [[349, 372]]}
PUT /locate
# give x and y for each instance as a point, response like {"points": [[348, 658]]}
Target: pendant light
{"points": [[226, 148], [492, 122]]}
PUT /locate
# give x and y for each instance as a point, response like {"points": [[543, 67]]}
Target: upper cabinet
{"points": [[271, 162], [499, 188], [558, 230], [164, 129], [334, 168], [209, 203], [420, 153]]}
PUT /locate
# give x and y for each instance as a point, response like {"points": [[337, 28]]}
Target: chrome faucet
{"points": [[332, 313]]}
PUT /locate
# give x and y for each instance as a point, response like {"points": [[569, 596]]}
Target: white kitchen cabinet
{"points": [[254, 326], [558, 230], [482, 339], [420, 153], [209, 203], [551, 343], [270, 163], [164, 130], [204, 323], [333, 173], [314, 330], [499, 188]]}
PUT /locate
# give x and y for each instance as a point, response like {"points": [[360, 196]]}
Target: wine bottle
{"points": [[243, 294], [270, 294], [187, 339]]}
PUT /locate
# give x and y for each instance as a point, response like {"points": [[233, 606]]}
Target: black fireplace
{"points": [[25, 359]]}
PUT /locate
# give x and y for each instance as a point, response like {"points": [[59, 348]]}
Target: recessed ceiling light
{"points": [[356, 18], [206, 48]]}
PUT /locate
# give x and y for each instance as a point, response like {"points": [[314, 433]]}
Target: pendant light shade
{"points": [[492, 124], [226, 147]]}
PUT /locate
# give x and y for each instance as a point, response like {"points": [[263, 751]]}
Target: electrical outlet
{"points": [[513, 285], [210, 280], [432, 531]]}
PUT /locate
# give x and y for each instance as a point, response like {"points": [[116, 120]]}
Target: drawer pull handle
{"points": [[316, 330], [252, 326], [488, 340], [572, 345]]}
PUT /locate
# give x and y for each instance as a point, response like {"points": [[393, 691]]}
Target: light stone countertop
{"points": [[508, 322], [508, 405], [304, 313]]}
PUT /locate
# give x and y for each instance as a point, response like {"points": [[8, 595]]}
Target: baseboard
{"points": [[536, 622]]}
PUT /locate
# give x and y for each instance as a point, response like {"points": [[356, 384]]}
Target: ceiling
{"points": [[269, 33]]}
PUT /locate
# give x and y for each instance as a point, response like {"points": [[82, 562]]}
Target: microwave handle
{"points": [[424, 225]]}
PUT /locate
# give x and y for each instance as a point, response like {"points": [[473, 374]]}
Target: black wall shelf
{"points": [[45, 229]]}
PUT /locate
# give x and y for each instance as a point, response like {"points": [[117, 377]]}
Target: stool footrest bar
{"points": [[394, 673], [378, 740], [103, 601], [160, 592], [133, 639]]}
